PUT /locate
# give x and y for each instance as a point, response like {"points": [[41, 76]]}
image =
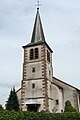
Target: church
{"points": [[40, 89]]}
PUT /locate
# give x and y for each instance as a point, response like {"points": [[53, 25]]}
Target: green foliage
{"points": [[1, 108], [69, 107], [12, 115], [12, 103]]}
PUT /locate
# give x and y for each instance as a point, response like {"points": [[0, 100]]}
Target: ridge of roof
{"points": [[18, 90], [66, 84]]}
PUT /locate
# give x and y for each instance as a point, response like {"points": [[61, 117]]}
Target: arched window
{"points": [[36, 53], [31, 54], [48, 56]]}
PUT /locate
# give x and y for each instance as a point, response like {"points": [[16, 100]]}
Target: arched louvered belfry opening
{"points": [[36, 53], [31, 54]]}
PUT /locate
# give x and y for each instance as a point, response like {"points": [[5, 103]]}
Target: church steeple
{"points": [[37, 70], [38, 34]]}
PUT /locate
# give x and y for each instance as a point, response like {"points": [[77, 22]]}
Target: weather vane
{"points": [[38, 5]]}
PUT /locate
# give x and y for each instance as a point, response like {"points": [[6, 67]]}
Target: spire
{"points": [[38, 35]]}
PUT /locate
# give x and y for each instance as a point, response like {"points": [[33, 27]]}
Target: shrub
{"points": [[69, 107], [12, 115]]}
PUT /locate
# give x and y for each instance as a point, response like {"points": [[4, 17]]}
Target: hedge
{"points": [[6, 115]]}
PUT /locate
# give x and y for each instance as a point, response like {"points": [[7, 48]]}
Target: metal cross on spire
{"points": [[38, 4]]}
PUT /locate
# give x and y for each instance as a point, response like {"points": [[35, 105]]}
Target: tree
{"points": [[12, 103], [69, 107], [1, 108]]}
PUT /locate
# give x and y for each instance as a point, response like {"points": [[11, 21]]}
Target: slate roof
{"points": [[38, 34]]}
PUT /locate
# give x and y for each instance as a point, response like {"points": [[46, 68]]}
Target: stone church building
{"points": [[40, 90]]}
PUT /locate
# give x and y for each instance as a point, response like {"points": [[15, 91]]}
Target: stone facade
{"points": [[40, 77], [58, 93]]}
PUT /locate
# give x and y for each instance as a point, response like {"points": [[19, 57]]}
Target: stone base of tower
{"points": [[35, 105]]}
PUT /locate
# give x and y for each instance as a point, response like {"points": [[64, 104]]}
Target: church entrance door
{"points": [[32, 107]]}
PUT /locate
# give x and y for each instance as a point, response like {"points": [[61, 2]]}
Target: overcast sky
{"points": [[61, 24]]}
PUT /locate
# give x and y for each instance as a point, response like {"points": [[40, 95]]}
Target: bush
{"points": [[12, 115], [69, 107]]}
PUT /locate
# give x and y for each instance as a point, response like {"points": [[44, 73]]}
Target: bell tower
{"points": [[37, 71]]}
